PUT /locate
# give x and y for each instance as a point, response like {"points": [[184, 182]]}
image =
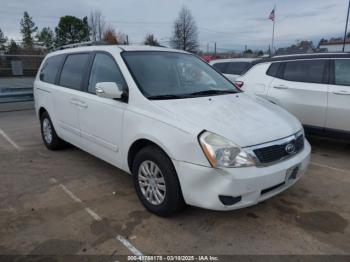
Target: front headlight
{"points": [[221, 152]]}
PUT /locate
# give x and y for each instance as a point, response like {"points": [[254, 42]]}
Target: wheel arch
{"points": [[138, 145]]}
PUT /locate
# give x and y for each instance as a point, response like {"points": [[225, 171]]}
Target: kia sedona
{"points": [[184, 132]]}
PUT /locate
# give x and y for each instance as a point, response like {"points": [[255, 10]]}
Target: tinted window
{"points": [[342, 72], [220, 67], [305, 71], [73, 71], [104, 69], [273, 69], [236, 68], [50, 69]]}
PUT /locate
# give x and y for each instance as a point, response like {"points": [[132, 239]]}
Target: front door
{"points": [[101, 119]]}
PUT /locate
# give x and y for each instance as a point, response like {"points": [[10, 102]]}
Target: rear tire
{"points": [[48, 133], [156, 182]]}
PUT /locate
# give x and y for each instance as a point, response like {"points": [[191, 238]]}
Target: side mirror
{"points": [[108, 90]]}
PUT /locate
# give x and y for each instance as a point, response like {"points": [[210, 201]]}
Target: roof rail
{"points": [[88, 43]]}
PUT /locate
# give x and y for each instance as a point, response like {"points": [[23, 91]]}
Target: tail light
{"points": [[238, 84]]}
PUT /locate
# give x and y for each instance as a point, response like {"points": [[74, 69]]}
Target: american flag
{"points": [[272, 15]]}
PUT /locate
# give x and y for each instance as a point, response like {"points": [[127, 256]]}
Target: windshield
{"points": [[171, 75]]}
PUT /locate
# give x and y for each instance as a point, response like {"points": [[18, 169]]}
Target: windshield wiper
{"points": [[164, 97], [212, 92]]}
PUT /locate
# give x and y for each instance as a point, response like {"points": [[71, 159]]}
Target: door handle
{"points": [[74, 102], [281, 87], [82, 104], [341, 92]]}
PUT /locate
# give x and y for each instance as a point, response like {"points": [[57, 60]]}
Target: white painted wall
{"points": [[336, 48]]}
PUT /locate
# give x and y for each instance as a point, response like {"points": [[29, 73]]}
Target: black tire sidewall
{"points": [[173, 201], [56, 142]]}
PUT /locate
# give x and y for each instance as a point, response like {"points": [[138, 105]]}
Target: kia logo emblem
{"points": [[290, 149]]}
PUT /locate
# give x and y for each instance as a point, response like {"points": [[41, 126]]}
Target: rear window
{"points": [[48, 72], [236, 68], [73, 71], [309, 71]]}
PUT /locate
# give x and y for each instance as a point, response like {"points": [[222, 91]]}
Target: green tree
{"points": [[248, 52], [185, 35], [46, 37], [151, 40], [3, 40], [72, 30], [13, 48], [27, 29]]}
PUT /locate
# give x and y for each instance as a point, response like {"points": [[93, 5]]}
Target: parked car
{"points": [[233, 67], [315, 88], [183, 131]]}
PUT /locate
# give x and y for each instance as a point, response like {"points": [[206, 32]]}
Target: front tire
{"points": [[48, 133], [156, 182]]}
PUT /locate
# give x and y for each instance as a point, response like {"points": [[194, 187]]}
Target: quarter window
{"points": [[342, 72], [273, 69], [49, 71], [236, 68], [220, 67], [309, 71], [105, 69], [73, 71]]}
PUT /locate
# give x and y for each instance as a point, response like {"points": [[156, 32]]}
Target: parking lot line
{"points": [[330, 167], [13, 143], [96, 217], [129, 246]]}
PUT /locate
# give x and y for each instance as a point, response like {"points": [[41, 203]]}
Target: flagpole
{"points": [[346, 27], [273, 31]]}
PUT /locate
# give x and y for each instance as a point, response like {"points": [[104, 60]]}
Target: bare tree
{"points": [[151, 40], [110, 36], [185, 35], [97, 25]]}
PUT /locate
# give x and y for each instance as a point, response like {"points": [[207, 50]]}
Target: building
{"points": [[335, 45]]}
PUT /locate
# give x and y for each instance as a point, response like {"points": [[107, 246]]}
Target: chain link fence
{"points": [[17, 74]]}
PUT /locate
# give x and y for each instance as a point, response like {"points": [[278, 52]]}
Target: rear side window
{"points": [[49, 71], [342, 72], [309, 71], [236, 68], [105, 69], [273, 69], [73, 71], [220, 67]]}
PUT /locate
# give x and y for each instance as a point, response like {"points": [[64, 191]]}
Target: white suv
{"points": [[183, 131], [232, 67], [315, 88]]}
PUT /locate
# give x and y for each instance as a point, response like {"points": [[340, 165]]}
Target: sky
{"points": [[232, 24]]}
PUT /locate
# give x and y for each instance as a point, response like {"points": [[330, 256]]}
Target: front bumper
{"points": [[201, 186]]}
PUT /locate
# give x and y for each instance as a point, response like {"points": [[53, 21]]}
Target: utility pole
{"points": [[127, 39], [346, 26], [215, 48], [207, 48]]}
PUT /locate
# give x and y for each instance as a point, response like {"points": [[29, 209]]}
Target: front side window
{"points": [[49, 71], [73, 71], [104, 69], [309, 71], [342, 72], [170, 75]]}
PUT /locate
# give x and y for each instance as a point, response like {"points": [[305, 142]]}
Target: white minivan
{"points": [[183, 131]]}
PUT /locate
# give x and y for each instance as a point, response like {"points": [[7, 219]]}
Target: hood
{"points": [[243, 119]]}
